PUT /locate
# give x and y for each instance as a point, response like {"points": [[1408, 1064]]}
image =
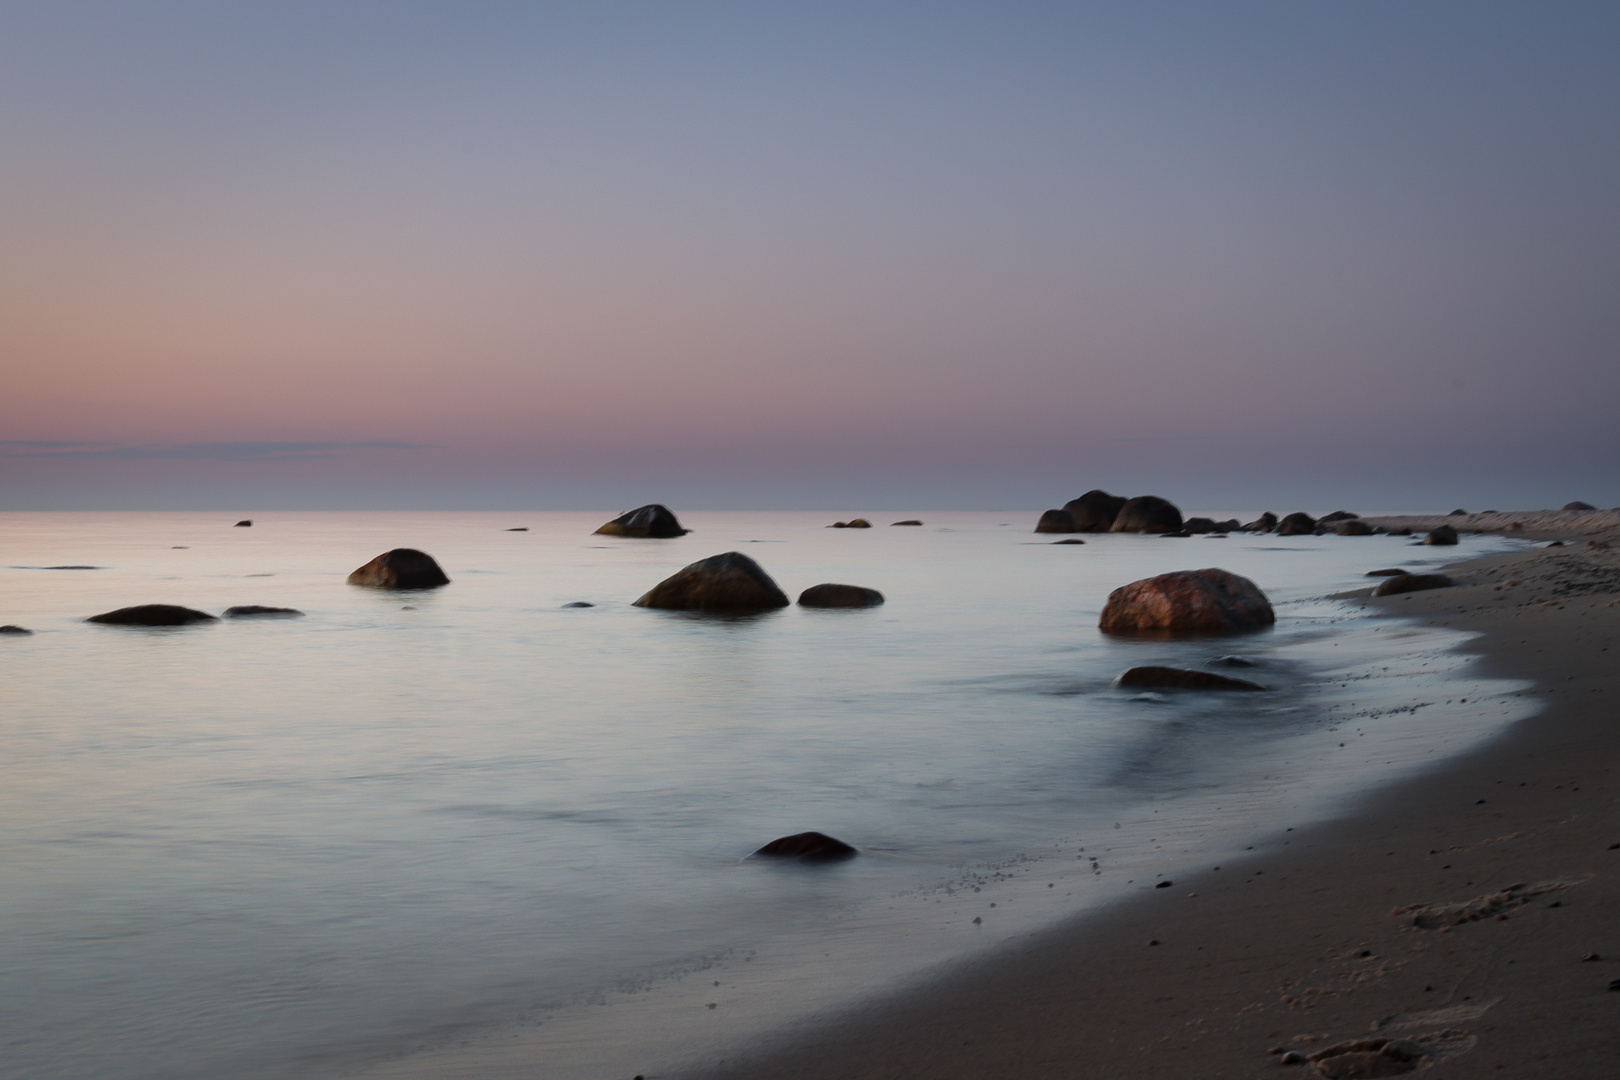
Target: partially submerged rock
{"points": [[911, 521], [152, 615], [1197, 601], [579, 603], [243, 524], [1147, 514], [1387, 572], [840, 596], [728, 582], [653, 521], [1354, 527], [1264, 523], [1441, 535], [1297, 524], [1154, 677], [246, 611], [1055, 521], [859, 523], [12, 628], [807, 847], [1337, 515], [1070, 540], [402, 568], [1095, 511], [1199, 525], [1402, 583]]}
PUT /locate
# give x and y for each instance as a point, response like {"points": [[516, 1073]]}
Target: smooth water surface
{"points": [[281, 847]]}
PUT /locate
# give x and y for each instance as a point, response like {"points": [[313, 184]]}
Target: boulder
{"points": [[839, 525], [1389, 572], [402, 568], [806, 847], [1441, 535], [840, 596], [152, 615], [1055, 521], [1297, 524], [1147, 514], [1404, 530], [653, 521], [859, 523], [1578, 505], [1264, 523], [1337, 515], [1095, 511], [912, 521], [579, 603], [1070, 540], [1199, 525], [1403, 583], [1229, 525], [1353, 527], [243, 524], [247, 611], [1155, 678], [728, 582], [11, 628], [1197, 601], [1459, 512]]}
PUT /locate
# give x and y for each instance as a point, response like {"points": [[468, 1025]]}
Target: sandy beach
{"points": [[1465, 922]]}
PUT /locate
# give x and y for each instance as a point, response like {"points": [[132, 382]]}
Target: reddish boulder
{"points": [[1197, 601], [728, 582]]}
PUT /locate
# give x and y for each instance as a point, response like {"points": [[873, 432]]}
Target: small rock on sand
{"points": [[1180, 679], [839, 596], [152, 615], [806, 847], [401, 568], [11, 628], [250, 610], [1405, 583]]}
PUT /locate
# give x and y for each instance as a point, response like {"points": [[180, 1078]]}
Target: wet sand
{"points": [[1508, 856]]}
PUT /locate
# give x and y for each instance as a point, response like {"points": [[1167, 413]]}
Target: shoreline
{"points": [[1297, 947]]}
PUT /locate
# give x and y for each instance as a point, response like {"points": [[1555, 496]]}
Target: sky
{"points": [[808, 256]]}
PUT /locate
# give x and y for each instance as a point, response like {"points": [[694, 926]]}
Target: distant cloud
{"points": [[201, 451]]}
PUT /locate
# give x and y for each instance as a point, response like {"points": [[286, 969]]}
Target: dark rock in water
{"points": [[243, 524], [1337, 515], [1388, 572], [1353, 527], [1229, 525], [152, 615], [402, 568], [1055, 521], [13, 629], [1459, 512], [520, 528], [1233, 661], [1402, 531], [1196, 601], [1403, 583], [70, 568], [1180, 534], [839, 525], [1095, 511], [1441, 535], [1578, 505], [1152, 677], [1070, 540], [913, 521], [1198, 525], [1297, 524], [728, 582], [1147, 514], [859, 523], [1556, 543], [579, 603], [1264, 523], [807, 846], [249, 610], [653, 521], [839, 596]]}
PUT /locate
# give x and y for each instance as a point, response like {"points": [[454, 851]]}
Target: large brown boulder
{"points": [[1147, 514], [728, 582], [1443, 535], [1095, 511], [1169, 678], [1196, 601], [1404, 583], [1055, 521], [830, 595], [152, 615], [653, 521], [807, 847], [402, 568], [1297, 524]]}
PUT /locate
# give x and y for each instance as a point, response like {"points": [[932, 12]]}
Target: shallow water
{"points": [[407, 821]]}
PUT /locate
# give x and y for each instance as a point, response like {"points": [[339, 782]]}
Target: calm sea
{"points": [[473, 821]]}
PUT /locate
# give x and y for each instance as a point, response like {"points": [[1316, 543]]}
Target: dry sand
{"points": [[1471, 917]]}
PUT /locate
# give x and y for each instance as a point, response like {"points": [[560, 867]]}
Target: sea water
{"points": [[408, 826]]}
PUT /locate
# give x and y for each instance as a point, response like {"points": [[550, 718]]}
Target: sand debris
{"points": [[1434, 916]]}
